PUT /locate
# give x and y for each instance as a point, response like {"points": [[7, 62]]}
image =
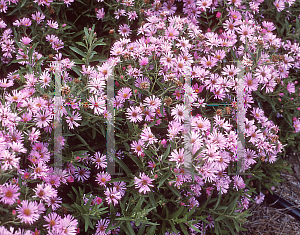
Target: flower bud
{"points": [[156, 176], [294, 119], [218, 15], [14, 212], [163, 142]]}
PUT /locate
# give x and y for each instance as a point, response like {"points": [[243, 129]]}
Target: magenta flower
{"points": [[143, 183]]}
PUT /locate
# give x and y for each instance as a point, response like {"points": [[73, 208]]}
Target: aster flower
{"points": [[137, 147], [112, 196], [279, 4], [98, 104], [143, 183], [9, 160], [103, 178], [71, 120], [28, 212], [171, 33], [230, 70], [38, 17], [260, 198], [124, 30], [52, 220], [101, 226], [52, 24], [238, 182], [120, 187], [54, 202], [152, 102], [82, 174], [124, 93], [100, 160], [178, 113], [147, 136], [134, 114], [204, 4], [178, 156], [43, 119], [68, 225], [9, 193]]}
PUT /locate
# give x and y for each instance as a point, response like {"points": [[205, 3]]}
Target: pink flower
{"points": [[124, 30], [102, 178], [178, 113], [112, 196], [218, 15], [143, 183], [99, 160], [100, 14], [134, 114], [26, 40], [148, 136], [137, 147], [260, 198], [238, 182], [52, 220], [28, 212], [38, 17], [290, 87], [144, 61], [9, 193]]}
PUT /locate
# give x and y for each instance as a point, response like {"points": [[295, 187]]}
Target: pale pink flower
{"points": [[147, 136], [102, 178], [124, 93], [238, 182], [279, 4], [112, 196], [137, 146], [38, 17], [52, 220], [143, 183], [260, 198], [134, 114], [290, 87], [82, 174], [100, 13], [152, 102], [100, 160], [178, 113], [124, 30], [9, 193], [28, 212], [71, 120]]}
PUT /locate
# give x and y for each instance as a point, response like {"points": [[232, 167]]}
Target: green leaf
{"points": [[166, 154], [123, 166], [152, 200], [183, 229], [177, 213], [219, 200], [164, 178], [151, 231], [173, 190], [82, 44], [130, 229], [142, 229], [78, 51]]}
